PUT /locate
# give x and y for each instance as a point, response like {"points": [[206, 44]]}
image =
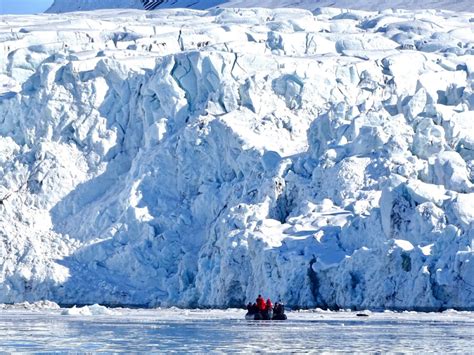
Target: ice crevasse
{"points": [[197, 158]]}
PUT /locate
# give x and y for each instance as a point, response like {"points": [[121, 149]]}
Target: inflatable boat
{"points": [[265, 316]]}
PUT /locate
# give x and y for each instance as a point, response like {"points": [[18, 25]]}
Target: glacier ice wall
{"points": [[197, 158]]}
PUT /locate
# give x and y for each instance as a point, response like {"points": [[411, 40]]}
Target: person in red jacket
{"points": [[269, 304], [261, 303], [268, 313]]}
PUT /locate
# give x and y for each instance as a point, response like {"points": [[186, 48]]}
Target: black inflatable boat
{"points": [[265, 316]]}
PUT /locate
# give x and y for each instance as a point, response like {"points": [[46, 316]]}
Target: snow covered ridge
{"points": [[196, 158], [84, 5]]}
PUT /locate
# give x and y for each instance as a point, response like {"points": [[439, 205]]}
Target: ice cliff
{"points": [[197, 158], [82, 5]]}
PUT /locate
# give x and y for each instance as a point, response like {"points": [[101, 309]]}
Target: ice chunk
{"points": [[403, 244], [93, 310], [463, 208], [451, 171], [429, 139], [422, 192]]}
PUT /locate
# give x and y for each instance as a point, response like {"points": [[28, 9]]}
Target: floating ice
{"points": [[93, 310]]}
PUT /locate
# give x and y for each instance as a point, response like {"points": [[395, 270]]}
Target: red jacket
{"points": [[269, 304], [261, 303]]}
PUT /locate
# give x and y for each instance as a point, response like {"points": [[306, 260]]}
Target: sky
{"points": [[23, 6]]}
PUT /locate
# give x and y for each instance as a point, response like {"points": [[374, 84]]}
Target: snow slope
{"points": [[197, 158], [80, 5], [84, 5]]}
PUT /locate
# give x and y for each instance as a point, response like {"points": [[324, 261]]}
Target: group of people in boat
{"points": [[265, 310]]}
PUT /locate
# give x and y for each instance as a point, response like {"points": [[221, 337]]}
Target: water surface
{"points": [[203, 331]]}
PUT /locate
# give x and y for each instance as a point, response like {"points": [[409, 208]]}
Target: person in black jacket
{"points": [[279, 311]]}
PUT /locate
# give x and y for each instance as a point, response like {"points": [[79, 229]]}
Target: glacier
{"points": [[198, 158]]}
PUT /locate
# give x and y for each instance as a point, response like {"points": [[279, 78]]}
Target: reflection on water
{"points": [[203, 331]]}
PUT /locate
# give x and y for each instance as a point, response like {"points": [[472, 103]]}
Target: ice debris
{"points": [[93, 310]]}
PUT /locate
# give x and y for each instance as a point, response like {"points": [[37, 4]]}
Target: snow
{"points": [[198, 158], [202, 331]]}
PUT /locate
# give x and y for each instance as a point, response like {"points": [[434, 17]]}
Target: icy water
{"points": [[226, 331]]}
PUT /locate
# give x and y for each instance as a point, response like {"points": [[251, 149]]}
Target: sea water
{"points": [[177, 330]]}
